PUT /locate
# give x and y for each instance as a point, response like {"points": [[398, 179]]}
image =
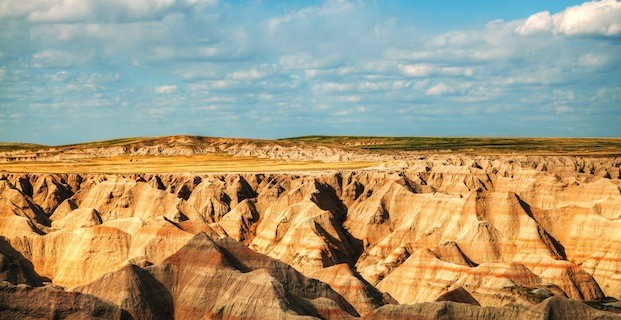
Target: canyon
{"points": [[342, 232]]}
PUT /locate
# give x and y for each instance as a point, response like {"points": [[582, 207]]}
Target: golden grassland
{"points": [[428, 145], [175, 164], [474, 145], [12, 146], [442, 145], [221, 162]]}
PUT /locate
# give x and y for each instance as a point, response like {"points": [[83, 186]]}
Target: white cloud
{"points": [[445, 53], [369, 86], [329, 7], [59, 58], [265, 97], [103, 11], [99, 78], [564, 108], [174, 38], [11, 8], [440, 89], [306, 60], [594, 60], [247, 75], [350, 114], [61, 76], [426, 70], [212, 107], [207, 3], [417, 70], [601, 18], [457, 71], [536, 23], [332, 87], [166, 89], [590, 18], [349, 98]]}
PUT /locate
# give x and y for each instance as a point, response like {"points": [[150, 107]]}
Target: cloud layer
{"points": [[601, 18], [82, 70]]}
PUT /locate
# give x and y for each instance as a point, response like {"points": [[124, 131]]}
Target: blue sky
{"points": [[81, 70]]}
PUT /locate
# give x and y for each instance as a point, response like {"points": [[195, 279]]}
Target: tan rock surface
{"points": [[201, 281], [507, 229], [135, 290], [16, 269], [459, 295], [78, 218], [552, 308], [25, 302], [361, 294], [238, 222]]}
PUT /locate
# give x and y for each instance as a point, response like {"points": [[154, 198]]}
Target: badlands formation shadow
{"points": [[187, 227]]}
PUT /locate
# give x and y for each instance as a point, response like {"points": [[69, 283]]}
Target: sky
{"points": [[84, 70]]}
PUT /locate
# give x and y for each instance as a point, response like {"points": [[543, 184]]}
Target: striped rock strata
{"points": [[505, 229]]}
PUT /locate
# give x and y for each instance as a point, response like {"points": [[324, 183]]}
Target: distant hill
{"points": [[465, 145], [13, 146]]}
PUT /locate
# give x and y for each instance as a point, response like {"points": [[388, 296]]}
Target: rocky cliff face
{"points": [[500, 230]]}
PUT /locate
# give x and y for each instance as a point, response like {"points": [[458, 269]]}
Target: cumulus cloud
{"points": [[564, 108], [349, 98], [332, 87], [61, 76], [99, 11], [538, 22], [166, 89], [13, 9], [306, 60], [248, 75], [594, 60], [595, 18], [329, 7], [440, 89], [59, 58], [177, 36], [417, 70], [426, 70], [104, 77], [110, 11]]}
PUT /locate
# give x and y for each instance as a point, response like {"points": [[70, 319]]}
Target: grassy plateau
{"points": [[223, 162]]}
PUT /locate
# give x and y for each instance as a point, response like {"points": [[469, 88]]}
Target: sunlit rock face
{"points": [[379, 243]]}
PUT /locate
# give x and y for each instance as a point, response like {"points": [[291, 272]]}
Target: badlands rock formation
{"points": [[24, 302], [552, 308], [187, 145], [523, 236]]}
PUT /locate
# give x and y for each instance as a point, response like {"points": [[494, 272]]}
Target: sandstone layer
{"points": [[523, 236]]}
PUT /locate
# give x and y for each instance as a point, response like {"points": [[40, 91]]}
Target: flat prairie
{"points": [[474, 145]]}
